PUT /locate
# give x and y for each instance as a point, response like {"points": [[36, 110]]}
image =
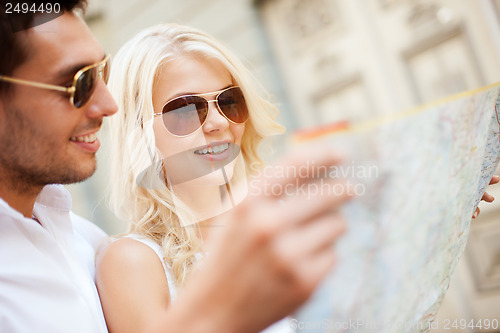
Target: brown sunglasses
{"points": [[184, 115], [83, 86]]}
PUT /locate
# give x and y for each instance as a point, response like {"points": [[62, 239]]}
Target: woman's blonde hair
{"points": [[133, 154]]}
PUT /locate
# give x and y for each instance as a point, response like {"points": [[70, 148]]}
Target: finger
{"points": [[312, 202], [298, 167], [476, 213], [487, 197], [312, 270], [495, 179], [312, 238]]}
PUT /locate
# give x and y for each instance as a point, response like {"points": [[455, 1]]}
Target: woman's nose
{"points": [[215, 120]]}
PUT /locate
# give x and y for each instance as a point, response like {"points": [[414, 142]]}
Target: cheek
{"points": [[48, 124], [168, 144], [237, 130], [164, 141]]}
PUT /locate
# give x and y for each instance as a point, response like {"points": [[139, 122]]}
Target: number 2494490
{"points": [[24, 8], [462, 324]]}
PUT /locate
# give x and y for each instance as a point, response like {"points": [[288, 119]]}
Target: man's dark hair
{"points": [[14, 45]]}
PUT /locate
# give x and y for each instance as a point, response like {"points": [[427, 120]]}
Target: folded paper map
{"points": [[419, 176]]}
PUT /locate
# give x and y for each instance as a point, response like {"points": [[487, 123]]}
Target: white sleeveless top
{"points": [[282, 326], [166, 267]]}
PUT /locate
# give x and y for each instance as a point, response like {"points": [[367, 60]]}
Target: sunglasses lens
{"points": [[233, 105], [85, 86], [87, 82], [184, 115]]}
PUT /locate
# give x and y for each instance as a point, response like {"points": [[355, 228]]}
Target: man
{"points": [[45, 251], [53, 100]]}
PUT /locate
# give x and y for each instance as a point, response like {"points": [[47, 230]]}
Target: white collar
{"points": [[53, 196]]}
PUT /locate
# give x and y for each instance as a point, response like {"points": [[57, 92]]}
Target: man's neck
{"points": [[21, 198]]}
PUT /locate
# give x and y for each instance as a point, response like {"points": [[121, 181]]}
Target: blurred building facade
{"points": [[331, 60]]}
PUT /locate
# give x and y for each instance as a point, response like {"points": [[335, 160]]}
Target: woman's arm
{"points": [[132, 285]]}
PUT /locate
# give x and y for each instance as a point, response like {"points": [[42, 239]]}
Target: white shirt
{"points": [[47, 271]]}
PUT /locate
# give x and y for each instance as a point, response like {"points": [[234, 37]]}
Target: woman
{"points": [[189, 125], [190, 122]]}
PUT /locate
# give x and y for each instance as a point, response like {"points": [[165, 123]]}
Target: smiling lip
{"points": [[89, 142], [215, 151]]}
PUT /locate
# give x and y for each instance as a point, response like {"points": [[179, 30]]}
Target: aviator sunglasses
{"points": [[185, 114], [83, 86]]}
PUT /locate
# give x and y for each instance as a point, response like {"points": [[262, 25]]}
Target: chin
{"points": [[77, 174], [215, 178]]}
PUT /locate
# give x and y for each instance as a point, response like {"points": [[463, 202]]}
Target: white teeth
{"points": [[87, 138], [213, 150]]}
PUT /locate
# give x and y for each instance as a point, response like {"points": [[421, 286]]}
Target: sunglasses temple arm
{"points": [[38, 84]]}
